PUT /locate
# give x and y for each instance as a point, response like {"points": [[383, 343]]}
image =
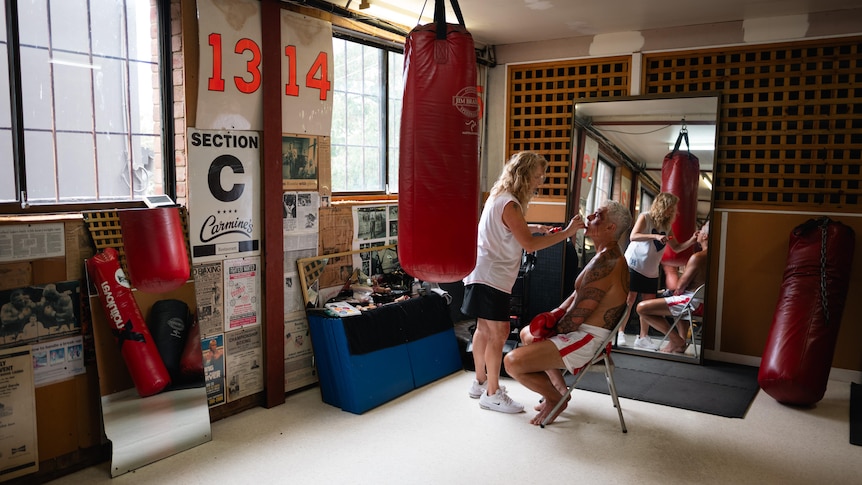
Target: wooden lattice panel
{"points": [[790, 130], [540, 103]]}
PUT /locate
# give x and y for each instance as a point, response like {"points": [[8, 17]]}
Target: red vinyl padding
{"points": [[680, 175], [438, 199], [801, 343], [155, 245], [127, 324]]}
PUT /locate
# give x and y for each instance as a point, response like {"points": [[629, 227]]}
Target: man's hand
{"points": [[544, 323]]}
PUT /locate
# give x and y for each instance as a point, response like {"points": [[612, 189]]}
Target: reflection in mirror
{"points": [[641, 131]]}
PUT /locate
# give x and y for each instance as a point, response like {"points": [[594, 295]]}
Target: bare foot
{"points": [[538, 407], [545, 407], [674, 348]]}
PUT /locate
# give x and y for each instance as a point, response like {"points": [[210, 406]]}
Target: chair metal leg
{"points": [[612, 389], [672, 328]]}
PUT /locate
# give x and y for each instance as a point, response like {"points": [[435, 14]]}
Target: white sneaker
{"points": [[645, 343], [500, 401], [477, 389], [621, 339]]}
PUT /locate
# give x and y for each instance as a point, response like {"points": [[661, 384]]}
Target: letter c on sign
{"points": [[214, 178]]}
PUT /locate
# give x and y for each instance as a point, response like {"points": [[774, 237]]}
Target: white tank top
{"points": [[498, 255], [645, 256]]}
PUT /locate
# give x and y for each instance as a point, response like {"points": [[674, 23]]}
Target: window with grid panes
{"points": [[366, 117], [84, 121]]}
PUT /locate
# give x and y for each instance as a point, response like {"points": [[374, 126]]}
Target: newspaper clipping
{"points": [[31, 241], [244, 363], [301, 227], [298, 355], [208, 294]]}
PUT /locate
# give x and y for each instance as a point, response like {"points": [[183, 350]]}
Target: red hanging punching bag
{"points": [[438, 199], [801, 343], [155, 245], [680, 175]]}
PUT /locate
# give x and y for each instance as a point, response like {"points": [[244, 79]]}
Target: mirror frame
{"points": [[581, 127]]}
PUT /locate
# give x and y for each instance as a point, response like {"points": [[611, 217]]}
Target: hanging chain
{"points": [[823, 293]]}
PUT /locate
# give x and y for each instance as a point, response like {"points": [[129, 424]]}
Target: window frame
{"points": [[385, 149], [167, 134]]}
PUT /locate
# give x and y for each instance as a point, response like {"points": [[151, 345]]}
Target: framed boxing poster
{"points": [[224, 194], [299, 162]]}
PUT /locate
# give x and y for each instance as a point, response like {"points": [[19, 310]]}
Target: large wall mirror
{"points": [[640, 132]]}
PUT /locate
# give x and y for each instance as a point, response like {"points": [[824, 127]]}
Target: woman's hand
{"points": [[575, 224]]}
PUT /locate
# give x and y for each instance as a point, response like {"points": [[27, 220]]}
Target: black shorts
{"points": [[482, 301], [642, 284]]}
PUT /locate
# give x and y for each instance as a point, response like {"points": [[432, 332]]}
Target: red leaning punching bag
{"points": [[127, 324], [680, 175], [438, 199], [155, 245], [798, 354]]}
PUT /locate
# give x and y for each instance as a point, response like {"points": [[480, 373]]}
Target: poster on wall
{"points": [[209, 284], [20, 454], [230, 75], [214, 376], [241, 284], [35, 313], [299, 162], [224, 194], [58, 360], [298, 355], [244, 363]]}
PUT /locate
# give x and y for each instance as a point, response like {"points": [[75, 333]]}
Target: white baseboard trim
{"points": [[835, 374]]}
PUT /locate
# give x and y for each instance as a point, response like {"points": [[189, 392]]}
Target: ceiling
{"points": [[498, 22]]}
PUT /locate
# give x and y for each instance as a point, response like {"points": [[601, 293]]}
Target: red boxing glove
{"points": [[543, 324]]}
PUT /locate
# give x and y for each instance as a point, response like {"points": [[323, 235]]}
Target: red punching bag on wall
{"points": [[438, 193], [801, 343], [680, 175], [155, 245]]}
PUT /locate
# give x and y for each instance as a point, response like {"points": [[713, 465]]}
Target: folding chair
{"points": [[603, 355], [689, 312]]}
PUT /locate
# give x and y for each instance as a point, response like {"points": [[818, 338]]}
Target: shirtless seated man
{"points": [[654, 311], [568, 336]]}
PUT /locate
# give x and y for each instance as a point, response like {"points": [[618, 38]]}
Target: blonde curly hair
{"points": [[517, 175], [662, 210]]}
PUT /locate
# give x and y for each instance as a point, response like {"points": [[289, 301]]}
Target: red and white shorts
{"points": [[578, 347], [677, 302]]}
